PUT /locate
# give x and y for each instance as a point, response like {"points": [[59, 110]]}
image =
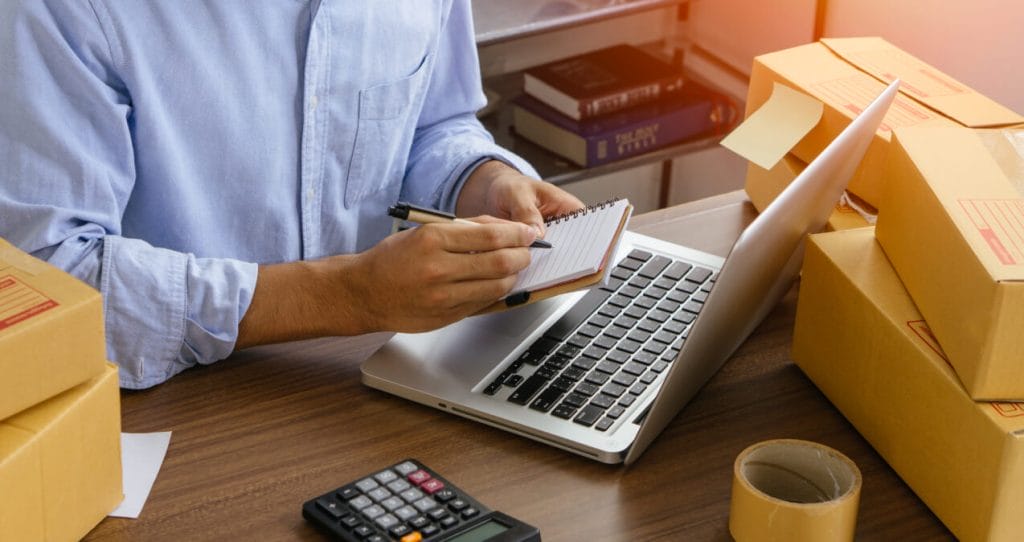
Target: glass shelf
{"points": [[558, 170], [502, 20]]}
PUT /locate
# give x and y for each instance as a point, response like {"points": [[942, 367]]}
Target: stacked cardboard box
{"points": [[949, 190], [953, 228], [60, 459], [845, 74], [860, 338]]}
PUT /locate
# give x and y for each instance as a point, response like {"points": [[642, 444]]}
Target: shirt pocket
{"points": [[384, 134]]}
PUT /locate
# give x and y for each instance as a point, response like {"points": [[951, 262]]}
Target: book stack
{"points": [[611, 104]]}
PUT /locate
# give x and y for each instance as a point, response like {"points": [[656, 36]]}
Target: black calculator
{"points": [[409, 502]]}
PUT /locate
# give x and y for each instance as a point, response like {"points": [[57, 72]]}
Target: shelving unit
{"points": [[501, 21]]}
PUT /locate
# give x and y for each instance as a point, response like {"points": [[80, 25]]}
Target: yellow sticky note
{"points": [[771, 131]]}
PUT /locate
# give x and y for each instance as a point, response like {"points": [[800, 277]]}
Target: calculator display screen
{"points": [[481, 532]]}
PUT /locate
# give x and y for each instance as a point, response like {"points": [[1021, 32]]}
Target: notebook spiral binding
{"points": [[580, 212]]}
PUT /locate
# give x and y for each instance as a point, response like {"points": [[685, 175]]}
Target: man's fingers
{"points": [[461, 237]]}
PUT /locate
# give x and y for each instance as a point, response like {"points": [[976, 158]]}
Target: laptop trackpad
{"points": [[467, 350]]}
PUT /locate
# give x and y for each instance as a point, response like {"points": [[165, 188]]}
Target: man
{"points": [[220, 170]]}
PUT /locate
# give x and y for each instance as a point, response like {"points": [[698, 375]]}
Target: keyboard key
{"points": [[398, 531], [546, 399], [607, 367], [458, 504], [659, 316], [431, 486], [649, 377], [563, 384], [411, 495], [699, 274], [590, 331], [605, 342], [638, 389], [684, 317], [577, 314], [634, 368], [575, 399], [603, 401], [687, 287], [700, 296], [669, 306], [654, 267], [425, 504], [636, 312], [348, 493], [627, 400], [563, 411], [665, 284], [615, 332], [653, 348], [448, 522], [351, 521], [514, 381], [373, 511], [360, 502], [574, 373], [527, 389], [406, 468], [531, 357], [385, 476], [406, 513], [386, 521], [639, 336], [648, 325], [617, 356], [641, 255], [629, 291], [599, 321], [544, 346], [469, 512], [429, 530], [438, 513], [620, 301], [646, 358], [586, 363], [614, 390], [645, 303], [622, 273], [631, 264], [659, 366], [586, 389], [677, 270], [640, 282], [588, 415], [597, 378], [655, 292], [624, 379], [613, 284], [579, 341], [671, 329], [419, 522], [604, 424], [628, 345], [677, 296], [616, 411], [363, 531], [692, 306], [444, 495], [610, 311], [418, 477], [378, 494], [626, 322]]}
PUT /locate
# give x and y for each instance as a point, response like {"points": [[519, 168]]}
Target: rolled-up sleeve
{"points": [[449, 139], [67, 168]]}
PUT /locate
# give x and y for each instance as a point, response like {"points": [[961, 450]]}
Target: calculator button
{"points": [[414, 536], [385, 476], [406, 468], [348, 493], [333, 508], [412, 495], [376, 538], [419, 522], [457, 504], [363, 530], [399, 530], [432, 486], [437, 513], [398, 486], [429, 530], [373, 511], [425, 504], [469, 512], [444, 495], [406, 513], [366, 484], [386, 521], [418, 477], [379, 494], [391, 503], [351, 521], [448, 522], [360, 502]]}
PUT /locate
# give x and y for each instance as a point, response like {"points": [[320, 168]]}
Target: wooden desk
{"points": [[261, 432]]}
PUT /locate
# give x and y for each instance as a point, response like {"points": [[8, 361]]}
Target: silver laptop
{"points": [[601, 373]]}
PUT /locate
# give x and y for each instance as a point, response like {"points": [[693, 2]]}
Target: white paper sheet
{"points": [[142, 454]]}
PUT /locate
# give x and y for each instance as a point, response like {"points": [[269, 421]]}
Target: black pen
{"points": [[420, 215]]}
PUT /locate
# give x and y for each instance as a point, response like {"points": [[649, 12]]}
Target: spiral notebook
{"points": [[583, 243]]}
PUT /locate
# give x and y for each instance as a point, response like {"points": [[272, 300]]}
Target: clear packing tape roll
{"points": [[793, 491]]}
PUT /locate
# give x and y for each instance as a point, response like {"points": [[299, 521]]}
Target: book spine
{"points": [[646, 136], [628, 97]]}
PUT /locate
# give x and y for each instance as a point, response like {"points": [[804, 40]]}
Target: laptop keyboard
{"points": [[601, 355]]}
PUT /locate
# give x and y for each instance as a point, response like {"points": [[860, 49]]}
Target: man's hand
{"points": [[416, 280], [498, 190]]}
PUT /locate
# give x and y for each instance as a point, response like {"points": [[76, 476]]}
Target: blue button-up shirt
{"points": [[160, 150]]}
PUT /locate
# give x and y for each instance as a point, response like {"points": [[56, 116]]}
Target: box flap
{"points": [[923, 82]]}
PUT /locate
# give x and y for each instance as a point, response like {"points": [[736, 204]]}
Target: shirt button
{"points": [[313, 101], [310, 193]]}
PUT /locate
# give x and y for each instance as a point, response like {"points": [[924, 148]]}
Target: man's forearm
{"points": [[299, 300]]}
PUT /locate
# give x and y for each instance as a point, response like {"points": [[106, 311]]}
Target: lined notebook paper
{"points": [[583, 242]]}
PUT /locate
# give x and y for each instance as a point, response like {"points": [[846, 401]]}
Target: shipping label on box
{"points": [[51, 331], [846, 74], [861, 340], [953, 227], [60, 463]]}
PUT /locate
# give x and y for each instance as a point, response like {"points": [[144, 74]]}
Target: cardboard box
{"points": [[51, 331], [764, 185], [860, 339], [846, 74], [60, 463], [953, 227]]}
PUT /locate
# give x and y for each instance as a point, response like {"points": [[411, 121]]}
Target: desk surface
{"points": [[261, 432]]}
